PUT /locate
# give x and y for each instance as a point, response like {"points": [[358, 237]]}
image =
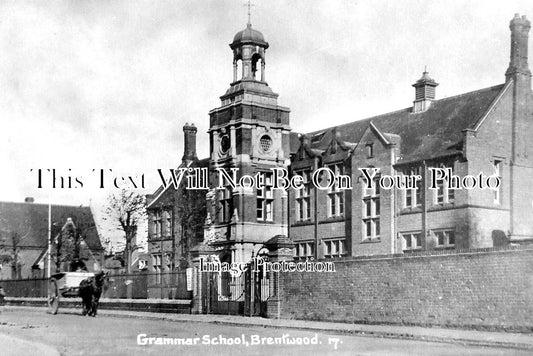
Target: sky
{"points": [[109, 84]]}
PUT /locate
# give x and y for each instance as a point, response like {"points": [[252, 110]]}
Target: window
{"points": [[450, 195], [443, 194], [411, 241], [156, 263], [143, 264], [440, 193], [369, 150], [225, 144], [371, 211], [152, 230], [167, 223], [445, 238], [265, 197], [413, 196], [225, 204], [303, 197], [168, 261], [157, 224], [334, 248], [304, 250], [497, 172], [265, 142], [336, 195]]}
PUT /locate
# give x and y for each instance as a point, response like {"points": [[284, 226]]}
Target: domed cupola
{"points": [[249, 46], [249, 35]]}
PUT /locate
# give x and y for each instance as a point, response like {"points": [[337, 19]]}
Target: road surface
{"points": [[73, 334]]}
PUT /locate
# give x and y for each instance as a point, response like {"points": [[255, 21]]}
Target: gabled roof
{"points": [[41, 258], [30, 221], [435, 132], [294, 142], [161, 190]]}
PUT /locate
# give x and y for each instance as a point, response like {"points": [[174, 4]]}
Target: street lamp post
{"points": [[49, 238]]}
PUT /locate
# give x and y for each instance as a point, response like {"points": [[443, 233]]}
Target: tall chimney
{"points": [[189, 149], [424, 93], [518, 67], [521, 157]]}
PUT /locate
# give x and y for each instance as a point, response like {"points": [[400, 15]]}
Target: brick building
{"points": [[24, 239], [484, 131], [176, 217], [480, 132]]}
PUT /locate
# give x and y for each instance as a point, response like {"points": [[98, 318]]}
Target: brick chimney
{"points": [[518, 76], [189, 149], [518, 67], [424, 93]]}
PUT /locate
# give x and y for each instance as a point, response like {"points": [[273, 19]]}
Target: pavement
{"points": [[14, 346], [522, 341]]}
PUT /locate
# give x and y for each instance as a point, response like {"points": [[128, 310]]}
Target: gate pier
{"points": [[280, 248], [200, 286]]}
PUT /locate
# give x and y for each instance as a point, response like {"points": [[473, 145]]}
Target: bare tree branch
{"points": [[127, 210]]}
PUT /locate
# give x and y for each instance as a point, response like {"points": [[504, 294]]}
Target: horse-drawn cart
{"points": [[64, 284]]}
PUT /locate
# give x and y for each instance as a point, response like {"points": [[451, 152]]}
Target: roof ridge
{"points": [[471, 92], [45, 204], [370, 118], [360, 120], [482, 117], [162, 188]]}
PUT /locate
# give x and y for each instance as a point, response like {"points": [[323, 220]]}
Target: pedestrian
{"points": [[2, 298]]}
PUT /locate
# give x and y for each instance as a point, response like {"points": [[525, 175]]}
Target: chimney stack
{"points": [[424, 93], [518, 67], [29, 200], [189, 154]]}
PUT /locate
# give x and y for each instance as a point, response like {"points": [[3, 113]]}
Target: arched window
{"points": [[256, 58]]}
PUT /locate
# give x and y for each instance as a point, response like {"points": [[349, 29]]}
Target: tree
{"points": [[191, 212], [15, 239], [68, 241], [10, 251], [127, 210], [10, 240]]}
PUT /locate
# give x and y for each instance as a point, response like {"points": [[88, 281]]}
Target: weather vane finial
{"points": [[249, 4]]}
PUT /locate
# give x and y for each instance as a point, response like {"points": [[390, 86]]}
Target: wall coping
{"points": [[430, 254]]}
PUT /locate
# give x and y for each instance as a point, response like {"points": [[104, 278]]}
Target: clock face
{"points": [[225, 143]]}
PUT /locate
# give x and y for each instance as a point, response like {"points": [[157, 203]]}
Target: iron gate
{"points": [[244, 294]]}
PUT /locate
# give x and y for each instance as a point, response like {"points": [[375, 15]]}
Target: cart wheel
{"points": [[53, 297]]}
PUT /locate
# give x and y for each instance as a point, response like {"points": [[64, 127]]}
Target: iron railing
{"points": [[143, 286]]}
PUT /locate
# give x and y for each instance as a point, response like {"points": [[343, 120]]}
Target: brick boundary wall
{"points": [[482, 289]]}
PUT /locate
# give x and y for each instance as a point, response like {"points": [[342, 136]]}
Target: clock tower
{"points": [[250, 133]]}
